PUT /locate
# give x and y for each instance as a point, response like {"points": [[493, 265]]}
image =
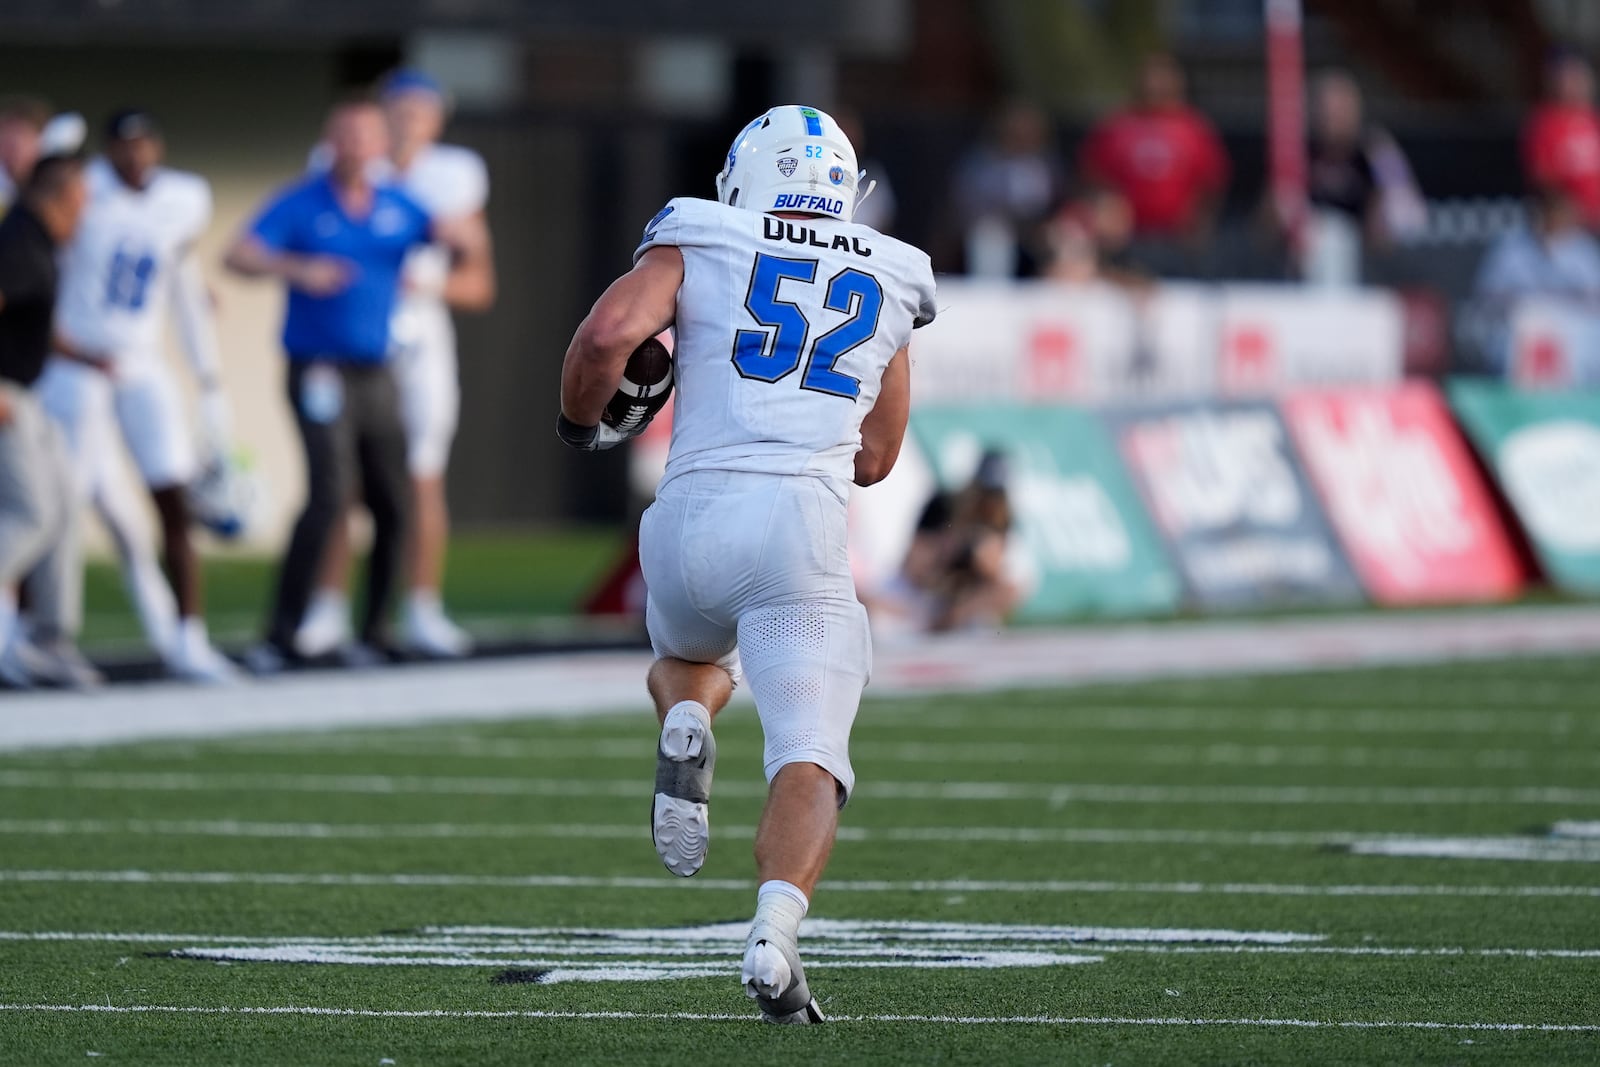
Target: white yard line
{"points": [[1355, 950], [1536, 849], [397, 942], [465, 746], [1196, 718], [1575, 828], [1053, 793], [685, 1016], [951, 886], [1376, 843], [579, 685], [1364, 692]]}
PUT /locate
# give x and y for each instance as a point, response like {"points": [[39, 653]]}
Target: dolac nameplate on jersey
{"points": [[778, 230]]}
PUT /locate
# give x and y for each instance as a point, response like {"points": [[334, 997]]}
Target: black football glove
{"points": [[596, 438]]}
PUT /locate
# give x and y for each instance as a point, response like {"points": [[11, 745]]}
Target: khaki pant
{"points": [[39, 518]]}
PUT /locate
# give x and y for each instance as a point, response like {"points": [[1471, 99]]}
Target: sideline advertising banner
{"points": [[1274, 337], [1225, 488], [1404, 495], [1544, 449], [1037, 341], [1047, 342], [1078, 518], [1555, 344]]}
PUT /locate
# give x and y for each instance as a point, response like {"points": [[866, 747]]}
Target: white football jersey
{"points": [[784, 328], [117, 273], [450, 182]]}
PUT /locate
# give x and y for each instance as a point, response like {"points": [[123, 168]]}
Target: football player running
{"points": [[109, 378], [793, 381], [452, 183]]}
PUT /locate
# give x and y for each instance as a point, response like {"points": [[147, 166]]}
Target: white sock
{"points": [[8, 617], [424, 602], [332, 600], [690, 707], [678, 740], [783, 905]]}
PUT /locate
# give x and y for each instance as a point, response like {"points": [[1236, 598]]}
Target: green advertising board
{"points": [[1078, 516], [1544, 449]]}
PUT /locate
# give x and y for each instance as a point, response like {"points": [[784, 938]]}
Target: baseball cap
{"points": [[63, 135], [409, 80], [131, 123], [994, 470]]}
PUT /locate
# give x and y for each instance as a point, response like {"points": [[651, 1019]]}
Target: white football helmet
{"points": [[792, 158], [227, 496]]}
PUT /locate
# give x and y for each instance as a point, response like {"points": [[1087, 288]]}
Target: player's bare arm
{"points": [[884, 429], [471, 284], [66, 347], [637, 306], [191, 301], [250, 257]]}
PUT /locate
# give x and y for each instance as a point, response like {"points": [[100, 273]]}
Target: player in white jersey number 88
{"points": [[793, 381], [109, 379]]}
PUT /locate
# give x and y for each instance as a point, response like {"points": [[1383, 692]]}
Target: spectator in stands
{"points": [[876, 210], [1556, 257], [1359, 182], [1004, 191], [955, 575], [1089, 238], [1561, 141], [1166, 159]]}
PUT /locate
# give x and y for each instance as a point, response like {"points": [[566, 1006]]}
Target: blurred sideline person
{"points": [[877, 211], [452, 183], [109, 383], [1004, 190], [1088, 241], [22, 122], [339, 240], [1554, 257], [38, 507], [955, 574], [1561, 140], [793, 381], [1166, 159], [1359, 183]]}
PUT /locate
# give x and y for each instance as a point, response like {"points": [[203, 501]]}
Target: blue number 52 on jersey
{"points": [[775, 352]]}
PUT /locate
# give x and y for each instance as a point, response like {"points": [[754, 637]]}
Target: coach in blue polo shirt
{"points": [[338, 239]]}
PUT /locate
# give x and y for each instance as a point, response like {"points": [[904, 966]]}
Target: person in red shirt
{"points": [[1561, 141], [1162, 155]]}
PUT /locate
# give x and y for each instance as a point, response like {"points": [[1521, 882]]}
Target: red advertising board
{"points": [[1408, 504]]}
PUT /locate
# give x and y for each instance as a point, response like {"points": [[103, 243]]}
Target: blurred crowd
{"points": [[1144, 197]]}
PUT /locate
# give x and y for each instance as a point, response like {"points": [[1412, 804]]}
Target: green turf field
{"points": [[494, 582], [1207, 840]]}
